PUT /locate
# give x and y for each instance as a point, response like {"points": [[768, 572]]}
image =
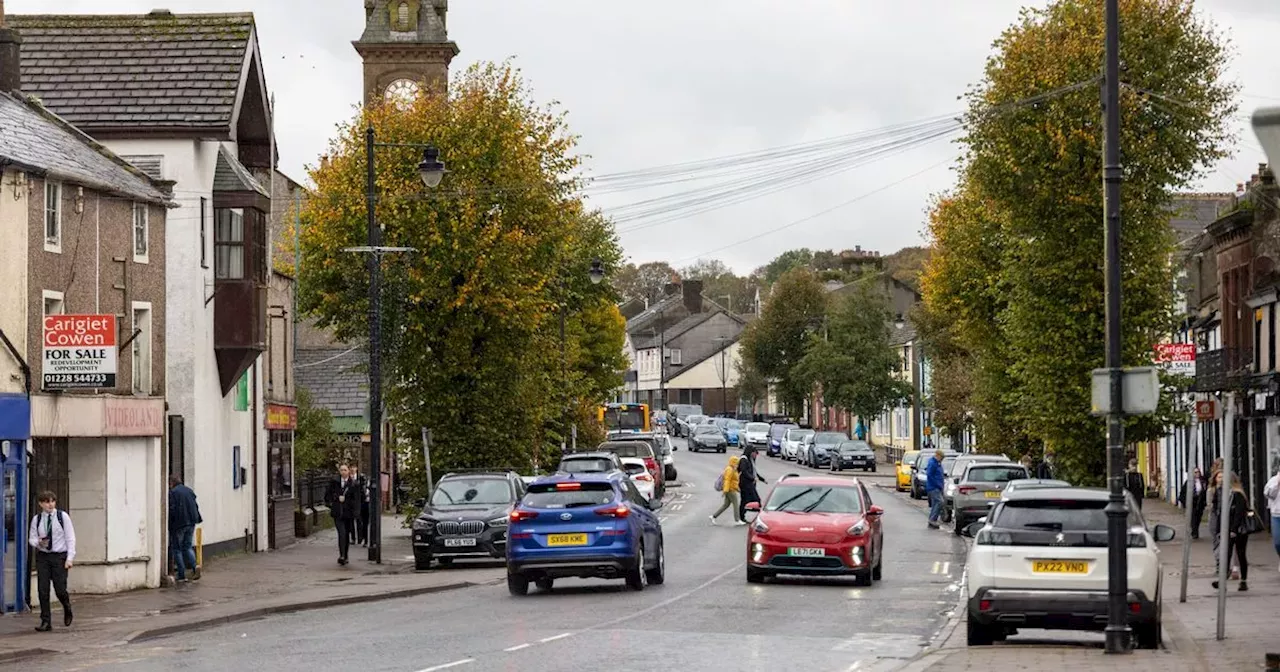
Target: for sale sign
{"points": [[1177, 358], [80, 352]]}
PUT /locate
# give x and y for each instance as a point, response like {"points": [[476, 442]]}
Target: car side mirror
{"points": [[971, 530], [1163, 533], [875, 511], [655, 504], [752, 506], [956, 480]]}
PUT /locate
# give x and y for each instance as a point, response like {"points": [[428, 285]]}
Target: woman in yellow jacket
{"points": [[729, 488]]}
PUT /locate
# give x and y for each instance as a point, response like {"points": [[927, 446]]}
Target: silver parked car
{"points": [[980, 488]]}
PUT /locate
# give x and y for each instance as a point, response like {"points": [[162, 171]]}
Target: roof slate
{"points": [[336, 379], [35, 139], [150, 70], [231, 175]]}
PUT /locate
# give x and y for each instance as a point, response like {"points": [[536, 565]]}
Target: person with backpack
{"points": [[727, 486], [54, 539]]}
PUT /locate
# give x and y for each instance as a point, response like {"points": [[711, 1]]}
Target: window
{"points": [[141, 348], [280, 461], [53, 304], [402, 17], [228, 244], [53, 217], [141, 233], [675, 356], [242, 392], [900, 421]]}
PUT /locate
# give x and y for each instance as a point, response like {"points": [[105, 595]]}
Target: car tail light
{"points": [[643, 477], [967, 489], [993, 538], [984, 605], [1135, 607], [568, 486], [618, 511], [651, 463], [1137, 540], [518, 515]]}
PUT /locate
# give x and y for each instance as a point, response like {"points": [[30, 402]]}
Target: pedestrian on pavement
{"points": [[184, 515], [1026, 462], [1196, 486], [934, 482], [727, 485], [344, 503], [1046, 468], [362, 515], [1237, 537], [1272, 493], [747, 477], [1135, 483], [54, 539]]}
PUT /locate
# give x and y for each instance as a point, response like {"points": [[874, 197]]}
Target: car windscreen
{"points": [[855, 447], [627, 448], [1057, 515], [732, 424], [555, 496], [814, 499], [586, 465], [779, 431], [829, 438], [909, 458], [707, 430], [798, 434], [696, 419], [757, 427], [478, 491], [995, 473], [632, 468]]}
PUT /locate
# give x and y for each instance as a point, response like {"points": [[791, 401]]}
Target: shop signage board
{"points": [[80, 352]]}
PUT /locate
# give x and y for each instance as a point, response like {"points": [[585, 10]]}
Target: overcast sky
{"points": [[660, 82]]}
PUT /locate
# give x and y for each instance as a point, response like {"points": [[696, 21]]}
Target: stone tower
{"points": [[405, 47]]}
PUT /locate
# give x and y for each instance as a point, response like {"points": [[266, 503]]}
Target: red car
{"points": [[817, 526]]}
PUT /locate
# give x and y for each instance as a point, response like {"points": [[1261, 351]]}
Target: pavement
{"points": [[237, 588]]}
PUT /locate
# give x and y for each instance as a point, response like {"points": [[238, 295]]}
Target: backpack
{"points": [[720, 482]]}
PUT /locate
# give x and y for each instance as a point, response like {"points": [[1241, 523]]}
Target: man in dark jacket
{"points": [[747, 477], [1195, 487], [1046, 468], [344, 503], [184, 515]]}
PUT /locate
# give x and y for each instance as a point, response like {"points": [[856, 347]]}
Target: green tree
{"points": [[791, 259], [1031, 179], [753, 387], [503, 246], [776, 343], [734, 292], [314, 444], [644, 281], [851, 358]]}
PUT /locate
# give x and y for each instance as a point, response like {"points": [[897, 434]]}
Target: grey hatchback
{"points": [[980, 487]]}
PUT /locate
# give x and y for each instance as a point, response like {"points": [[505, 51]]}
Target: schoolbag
{"points": [[720, 482]]}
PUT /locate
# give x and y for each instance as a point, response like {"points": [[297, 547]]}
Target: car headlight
{"points": [[498, 522], [424, 525], [858, 529], [760, 527]]}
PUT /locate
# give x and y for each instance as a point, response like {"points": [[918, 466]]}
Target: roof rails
{"points": [[496, 470]]}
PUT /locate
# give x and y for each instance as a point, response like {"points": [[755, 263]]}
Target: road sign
{"points": [[80, 352], [1176, 358]]}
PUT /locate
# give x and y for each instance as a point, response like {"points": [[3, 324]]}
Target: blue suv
{"points": [[584, 525]]}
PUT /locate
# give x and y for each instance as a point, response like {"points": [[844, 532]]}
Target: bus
{"points": [[625, 417]]}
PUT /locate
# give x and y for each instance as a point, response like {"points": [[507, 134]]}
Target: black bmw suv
{"points": [[466, 517]]}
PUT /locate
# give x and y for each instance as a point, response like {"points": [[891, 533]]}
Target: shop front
{"points": [[15, 432], [281, 423]]}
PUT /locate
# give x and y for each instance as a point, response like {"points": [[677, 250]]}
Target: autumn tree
{"points": [[314, 443], [719, 282], [500, 251], [644, 281], [1030, 205]]}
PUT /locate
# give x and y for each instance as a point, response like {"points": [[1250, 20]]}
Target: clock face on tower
{"points": [[402, 91]]}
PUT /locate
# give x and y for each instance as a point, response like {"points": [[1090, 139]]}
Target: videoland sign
{"points": [[80, 352]]}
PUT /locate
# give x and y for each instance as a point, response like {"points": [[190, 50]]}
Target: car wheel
{"points": [[636, 575], [978, 634], [873, 468], [658, 574], [947, 514], [862, 579], [422, 561], [723, 449], [1149, 635], [959, 526], [517, 585], [878, 570], [544, 584], [755, 575]]}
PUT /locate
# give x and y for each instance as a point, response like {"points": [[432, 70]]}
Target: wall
{"points": [[13, 275], [706, 374], [213, 425]]}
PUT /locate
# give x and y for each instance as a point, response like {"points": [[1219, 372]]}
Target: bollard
{"points": [[199, 548]]}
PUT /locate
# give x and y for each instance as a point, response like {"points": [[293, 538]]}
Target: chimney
{"points": [[692, 296], [670, 289], [10, 55]]}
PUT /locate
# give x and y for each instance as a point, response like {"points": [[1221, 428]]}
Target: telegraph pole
{"points": [[1117, 631]]}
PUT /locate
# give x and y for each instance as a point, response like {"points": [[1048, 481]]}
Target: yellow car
{"points": [[904, 470]]}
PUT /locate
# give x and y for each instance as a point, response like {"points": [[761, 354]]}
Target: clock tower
{"points": [[405, 47]]}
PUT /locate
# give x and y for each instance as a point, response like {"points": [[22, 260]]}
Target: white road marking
{"points": [[936, 566], [562, 635], [517, 647], [455, 663], [666, 602], [855, 666], [946, 568]]}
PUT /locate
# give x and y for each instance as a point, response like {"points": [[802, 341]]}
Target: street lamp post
{"points": [[431, 170], [1117, 631], [596, 274]]}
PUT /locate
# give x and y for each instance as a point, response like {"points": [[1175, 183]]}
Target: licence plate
{"points": [[566, 539], [993, 495], [454, 543], [806, 552], [1059, 567]]}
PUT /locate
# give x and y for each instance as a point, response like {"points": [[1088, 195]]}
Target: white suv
{"points": [[1040, 561]]}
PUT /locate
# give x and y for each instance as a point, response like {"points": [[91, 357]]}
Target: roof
{"points": [[336, 379], [581, 477], [675, 330], [35, 139], [157, 70], [1193, 212], [231, 175], [902, 335]]}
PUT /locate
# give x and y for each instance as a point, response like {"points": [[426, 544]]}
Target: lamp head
{"points": [[432, 168]]}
